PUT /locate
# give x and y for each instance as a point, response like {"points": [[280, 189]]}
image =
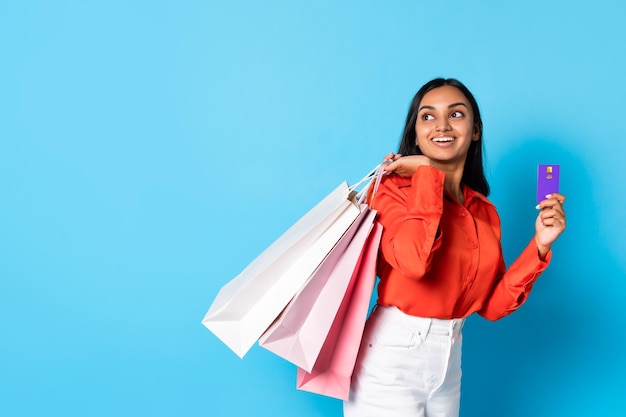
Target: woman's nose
{"points": [[442, 125]]}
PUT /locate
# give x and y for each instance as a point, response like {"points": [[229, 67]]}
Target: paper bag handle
{"points": [[376, 173]]}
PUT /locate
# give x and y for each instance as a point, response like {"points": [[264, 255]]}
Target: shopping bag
{"points": [[332, 372], [300, 331], [245, 307], [248, 304]]}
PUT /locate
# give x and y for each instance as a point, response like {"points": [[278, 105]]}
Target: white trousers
{"points": [[407, 366]]}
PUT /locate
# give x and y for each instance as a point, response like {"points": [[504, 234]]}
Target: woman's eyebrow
{"points": [[460, 103]]}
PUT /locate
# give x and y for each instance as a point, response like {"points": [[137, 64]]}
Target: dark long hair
{"points": [[473, 172]]}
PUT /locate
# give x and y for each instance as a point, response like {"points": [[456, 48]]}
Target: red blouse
{"points": [[441, 259]]}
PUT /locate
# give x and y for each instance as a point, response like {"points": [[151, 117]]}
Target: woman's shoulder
{"points": [[390, 185], [396, 180]]}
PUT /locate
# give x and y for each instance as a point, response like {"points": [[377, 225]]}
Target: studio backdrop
{"points": [[150, 150]]}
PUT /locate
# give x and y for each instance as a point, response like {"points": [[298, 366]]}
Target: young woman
{"points": [[440, 260]]}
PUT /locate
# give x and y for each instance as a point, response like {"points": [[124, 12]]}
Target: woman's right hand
{"points": [[405, 166]]}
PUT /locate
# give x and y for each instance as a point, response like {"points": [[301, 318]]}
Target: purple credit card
{"points": [[547, 180]]}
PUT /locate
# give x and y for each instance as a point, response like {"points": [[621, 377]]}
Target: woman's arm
{"points": [[513, 285], [410, 208]]}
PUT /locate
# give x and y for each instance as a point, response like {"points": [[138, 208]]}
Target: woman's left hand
{"points": [[550, 222]]}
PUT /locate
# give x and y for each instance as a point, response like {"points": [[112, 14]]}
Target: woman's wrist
{"points": [[542, 250]]}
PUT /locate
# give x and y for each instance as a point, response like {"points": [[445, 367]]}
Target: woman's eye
{"points": [[456, 114], [427, 116]]}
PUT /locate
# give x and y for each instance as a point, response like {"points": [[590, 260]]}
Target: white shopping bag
{"points": [[247, 305]]}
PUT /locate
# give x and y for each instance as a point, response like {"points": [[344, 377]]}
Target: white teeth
{"points": [[443, 139]]}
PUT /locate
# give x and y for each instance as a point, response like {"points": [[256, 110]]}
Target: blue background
{"points": [[149, 150]]}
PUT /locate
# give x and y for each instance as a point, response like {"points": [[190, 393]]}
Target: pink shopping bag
{"points": [[300, 331], [332, 372]]}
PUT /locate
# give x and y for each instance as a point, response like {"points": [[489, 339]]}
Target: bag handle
{"points": [[377, 172]]}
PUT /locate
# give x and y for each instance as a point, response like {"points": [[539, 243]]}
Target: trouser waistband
{"points": [[423, 325]]}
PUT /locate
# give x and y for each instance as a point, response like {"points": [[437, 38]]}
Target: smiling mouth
{"points": [[443, 140]]}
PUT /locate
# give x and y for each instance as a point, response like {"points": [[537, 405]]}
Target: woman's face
{"points": [[445, 125]]}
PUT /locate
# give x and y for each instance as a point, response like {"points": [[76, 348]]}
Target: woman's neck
{"points": [[452, 184]]}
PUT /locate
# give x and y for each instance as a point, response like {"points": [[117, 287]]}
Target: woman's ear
{"points": [[476, 132]]}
